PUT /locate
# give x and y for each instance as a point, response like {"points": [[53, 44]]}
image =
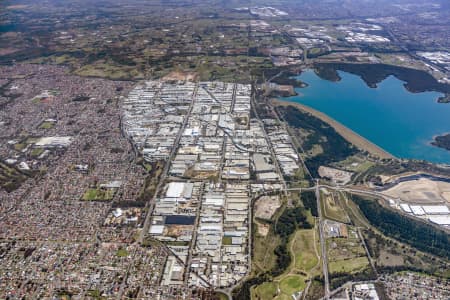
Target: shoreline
{"points": [[348, 134], [435, 143]]}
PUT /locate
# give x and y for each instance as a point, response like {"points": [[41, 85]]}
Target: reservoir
{"points": [[389, 116]]}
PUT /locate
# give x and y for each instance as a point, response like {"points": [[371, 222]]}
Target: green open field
{"points": [[348, 265], [36, 152], [292, 284], [107, 69], [97, 194], [10, 177], [315, 150], [345, 248], [122, 252], [353, 211], [356, 163], [264, 257], [303, 249], [46, 125], [220, 296], [289, 285], [19, 146], [226, 240], [151, 181], [265, 291]]}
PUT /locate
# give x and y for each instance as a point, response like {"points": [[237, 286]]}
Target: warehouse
{"points": [[436, 209]]}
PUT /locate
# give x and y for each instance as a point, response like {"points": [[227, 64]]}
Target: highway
{"points": [[161, 182], [323, 244], [272, 152]]}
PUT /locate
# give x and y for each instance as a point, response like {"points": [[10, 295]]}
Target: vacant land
{"points": [[304, 250], [345, 248], [288, 252], [421, 191], [10, 177], [292, 284], [349, 265], [356, 163], [47, 125], [109, 70], [98, 194], [335, 175], [332, 207], [151, 181], [391, 255], [266, 206], [266, 291], [264, 258], [347, 260]]}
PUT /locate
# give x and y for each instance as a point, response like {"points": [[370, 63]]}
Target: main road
{"points": [[165, 171], [323, 244]]}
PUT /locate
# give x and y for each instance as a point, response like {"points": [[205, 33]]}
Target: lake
{"points": [[398, 121]]}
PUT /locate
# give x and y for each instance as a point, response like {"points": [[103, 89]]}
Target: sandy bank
{"points": [[345, 132]]}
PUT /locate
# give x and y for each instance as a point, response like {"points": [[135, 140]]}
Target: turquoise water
{"points": [[398, 121]]}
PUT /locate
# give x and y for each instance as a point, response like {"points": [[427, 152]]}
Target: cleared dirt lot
{"points": [[421, 191], [266, 206]]}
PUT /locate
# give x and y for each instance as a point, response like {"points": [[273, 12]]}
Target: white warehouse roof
{"points": [[436, 209], [179, 190], [405, 207], [440, 220], [417, 210], [156, 229]]}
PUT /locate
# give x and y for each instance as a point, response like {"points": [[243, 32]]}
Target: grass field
{"points": [[316, 150], [47, 125], [351, 265], [19, 146], [97, 194], [263, 251], [10, 177], [122, 252], [345, 248], [109, 70], [226, 240], [265, 291], [303, 249], [355, 163], [220, 296], [36, 152], [353, 211], [292, 284]]}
